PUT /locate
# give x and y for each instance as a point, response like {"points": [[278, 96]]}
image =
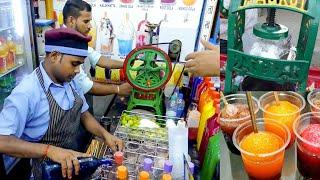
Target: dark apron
{"points": [[63, 126]]}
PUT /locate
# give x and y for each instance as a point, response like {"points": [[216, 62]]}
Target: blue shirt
{"points": [[25, 112]]}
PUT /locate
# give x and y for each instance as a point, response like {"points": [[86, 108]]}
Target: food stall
{"points": [[169, 122]]}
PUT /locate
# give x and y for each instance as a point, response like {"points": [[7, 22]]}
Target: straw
{"points": [[223, 98], [276, 96], [253, 117]]}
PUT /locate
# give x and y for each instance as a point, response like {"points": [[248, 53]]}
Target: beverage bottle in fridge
{"points": [[3, 57], [122, 173], [167, 169], [106, 34], [52, 171], [125, 36], [19, 49], [193, 119], [11, 56]]}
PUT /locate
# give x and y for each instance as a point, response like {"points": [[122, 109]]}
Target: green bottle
{"points": [[211, 158]]}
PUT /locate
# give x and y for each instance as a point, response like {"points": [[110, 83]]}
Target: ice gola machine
{"points": [[148, 69], [275, 69]]}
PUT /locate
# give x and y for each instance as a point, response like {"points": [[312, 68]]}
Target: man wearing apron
{"points": [[41, 117]]}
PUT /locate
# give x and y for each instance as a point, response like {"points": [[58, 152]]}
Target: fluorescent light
{"points": [[18, 18]]}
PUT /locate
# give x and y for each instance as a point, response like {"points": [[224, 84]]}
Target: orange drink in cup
{"points": [[263, 152], [285, 111]]}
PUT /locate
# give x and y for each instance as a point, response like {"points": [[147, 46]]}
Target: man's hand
{"points": [[204, 63], [125, 89], [113, 142], [67, 158]]}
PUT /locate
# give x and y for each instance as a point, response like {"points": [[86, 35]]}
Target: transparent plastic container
{"points": [[273, 49]]}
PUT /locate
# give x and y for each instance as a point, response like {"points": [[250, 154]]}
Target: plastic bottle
{"points": [[171, 110], [147, 167], [118, 158], [178, 146], [125, 36], [52, 171], [211, 129], [195, 86], [193, 119], [208, 110], [3, 57], [167, 169], [180, 105], [144, 175], [211, 158], [202, 87], [122, 173]]}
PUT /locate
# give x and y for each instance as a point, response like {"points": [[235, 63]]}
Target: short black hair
{"points": [[73, 8]]}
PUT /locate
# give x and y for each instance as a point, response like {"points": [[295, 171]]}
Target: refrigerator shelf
{"points": [[7, 28], [9, 71]]}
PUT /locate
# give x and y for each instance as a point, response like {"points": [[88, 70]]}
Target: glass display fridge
{"points": [[17, 52]]}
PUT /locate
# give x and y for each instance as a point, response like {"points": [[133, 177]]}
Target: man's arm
{"points": [[19, 148], [103, 89], [104, 62], [92, 125]]}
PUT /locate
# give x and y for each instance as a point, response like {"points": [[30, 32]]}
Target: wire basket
{"points": [[140, 143]]}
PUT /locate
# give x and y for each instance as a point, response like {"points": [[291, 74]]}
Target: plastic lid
{"points": [[181, 123], [118, 157], [276, 32], [147, 164], [143, 175], [167, 166], [122, 172], [191, 166], [166, 177]]}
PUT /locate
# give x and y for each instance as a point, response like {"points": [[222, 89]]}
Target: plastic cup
{"points": [[311, 97], [268, 99], [308, 150], [264, 165], [228, 125]]}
